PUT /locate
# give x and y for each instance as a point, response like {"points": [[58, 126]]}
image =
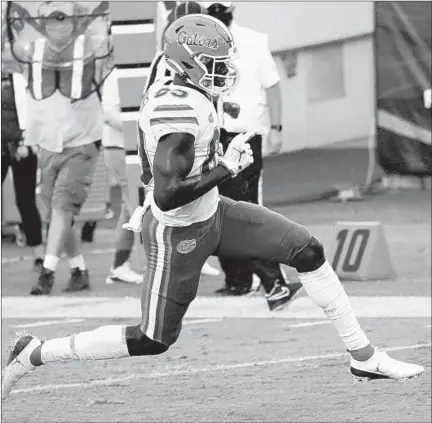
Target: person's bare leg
{"points": [[38, 251], [124, 239], [59, 230], [124, 242], [72, 248]]}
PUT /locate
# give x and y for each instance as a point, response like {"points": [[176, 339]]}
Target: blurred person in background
{"points": [[21, 159], [111, 182], [64, 120], [245, 110], [159, 69], [114, 156]]}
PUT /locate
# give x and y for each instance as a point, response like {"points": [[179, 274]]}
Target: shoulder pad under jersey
{"points": [[172, 109]]}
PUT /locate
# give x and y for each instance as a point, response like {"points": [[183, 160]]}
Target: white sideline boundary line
{"points": [[191, 371], [69, 321], [18, 259], [208, 308]]}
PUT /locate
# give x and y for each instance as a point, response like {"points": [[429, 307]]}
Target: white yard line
{"points": [[193, 370], [191, 322], [308, 324]]}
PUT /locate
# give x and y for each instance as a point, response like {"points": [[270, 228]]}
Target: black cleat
{"points": [[282, 295], [44, 284], [79, 281]]}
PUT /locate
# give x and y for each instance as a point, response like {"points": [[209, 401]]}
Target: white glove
{"points": [[135, 221], [239, 154]]}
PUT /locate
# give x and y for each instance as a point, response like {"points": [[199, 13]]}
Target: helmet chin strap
{"points": [[180, 72], [194, 57], [177, 69]]}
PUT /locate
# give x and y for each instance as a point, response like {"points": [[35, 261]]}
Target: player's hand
{"points": [[22, 152], [239, 154], [275, 142]]}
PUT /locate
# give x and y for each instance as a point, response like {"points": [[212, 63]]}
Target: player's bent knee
{"points": [[139, 343], [311, 258]]}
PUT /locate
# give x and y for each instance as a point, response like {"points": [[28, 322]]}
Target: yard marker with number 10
{"points": [[360, 251]]}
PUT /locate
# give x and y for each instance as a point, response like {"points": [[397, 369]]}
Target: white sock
{"points": [[77, 261], [106, 342], [324, 288], [51, 262]]}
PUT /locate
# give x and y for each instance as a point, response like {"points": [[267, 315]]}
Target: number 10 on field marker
{"points": [[360, 251]]}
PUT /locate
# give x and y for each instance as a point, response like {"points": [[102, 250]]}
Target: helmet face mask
{"points": [[221, 75], [201, 49]]}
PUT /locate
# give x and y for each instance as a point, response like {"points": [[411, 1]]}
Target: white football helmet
{"points": [[201, 49]]}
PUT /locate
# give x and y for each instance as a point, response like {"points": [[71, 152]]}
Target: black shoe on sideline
{"points": [[79, 281], [44, 284], [282, 295]]}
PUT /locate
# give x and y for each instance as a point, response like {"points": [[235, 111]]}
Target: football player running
{"points": [[279, 293], [185, 220]]}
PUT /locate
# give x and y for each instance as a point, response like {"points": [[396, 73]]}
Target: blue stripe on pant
{"points": [[175, 256]]}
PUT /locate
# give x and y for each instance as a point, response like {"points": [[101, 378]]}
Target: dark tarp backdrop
{"points": [[403, 70]]}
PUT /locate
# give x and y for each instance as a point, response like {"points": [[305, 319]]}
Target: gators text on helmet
{"points": [[201, 49]]}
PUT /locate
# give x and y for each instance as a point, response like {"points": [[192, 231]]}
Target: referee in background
{"points": [[245, 110]]}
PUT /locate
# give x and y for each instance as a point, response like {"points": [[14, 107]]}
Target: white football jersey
{"points": [[168, 108]]}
